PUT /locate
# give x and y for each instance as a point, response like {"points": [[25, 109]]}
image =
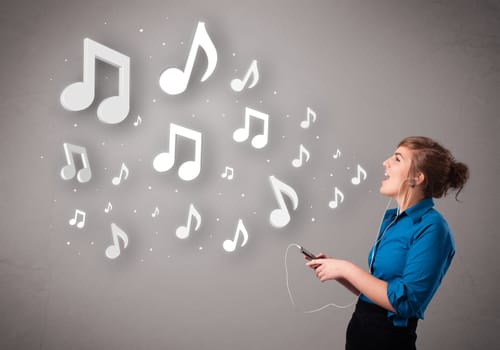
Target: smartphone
{"points": [[307, 253]]}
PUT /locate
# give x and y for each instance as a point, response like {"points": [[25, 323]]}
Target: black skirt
{"points": [[370, 328]]}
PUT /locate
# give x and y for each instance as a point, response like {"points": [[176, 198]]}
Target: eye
{"points": [[396, 157]]}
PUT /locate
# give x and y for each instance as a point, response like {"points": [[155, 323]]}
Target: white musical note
{"points": [[108, 208], [80, 95], [357, 179], [230, 245], [123, 175], [337, 154], [164, 161], [81, 223], [182, 232], [238, 84], [335, 202], [113, 251], [156, 212], [138, 121], [69, 171], [241, 134], [281, 217], [311, 115], [228, 173], [302, 151], [173, 80]]}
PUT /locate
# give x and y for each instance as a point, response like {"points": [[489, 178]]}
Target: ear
{"points": [[419, 178]]}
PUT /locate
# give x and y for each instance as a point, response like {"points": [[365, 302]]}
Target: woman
{"points": [[411, 254]]}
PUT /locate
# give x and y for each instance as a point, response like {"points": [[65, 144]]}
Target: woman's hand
{"points": [[327, 268]]}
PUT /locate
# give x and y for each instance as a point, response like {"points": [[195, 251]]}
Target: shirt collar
{"points": [[418, 210]]}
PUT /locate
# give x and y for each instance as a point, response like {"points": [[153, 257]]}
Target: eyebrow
{"points": [[398, 154]]}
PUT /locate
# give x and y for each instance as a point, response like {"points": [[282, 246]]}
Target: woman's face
{"points": [[396, 175]]}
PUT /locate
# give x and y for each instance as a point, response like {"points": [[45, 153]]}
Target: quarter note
{"points": [[164, 161], [114, 251], [230, 245], [357, 179], [242, 134], [228, 173], [310, 116], [80, 95], [123, 175], [298, 161], [138, 121], [238, 84], [69, 171], [337, 195], [79, 223], [182, 232], [281, 217], [173, 80]]}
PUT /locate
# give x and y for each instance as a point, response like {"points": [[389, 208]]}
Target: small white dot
{"points": [[275, 92], [283, 137], [182, 42], [261, 101], [65, 60], [200, 248], [163, 43], [313, 219], [68, 243], [269, 161], [331, 174], [102, 143], [236, 101], [154, 100], [217, 219], [92, 243], [74, 189], [135, 211], [141, 30], [51, 79], [41, 157], [193, 115], [220, 193], [149, 188], [78, 254], [156, 233], [243, 195], [223, 115], [234, 54], [150, 57], [317, 137], [75, 125], [142, 260], [150, 249], [208, 100], [176, 190], [105, 23], [287, 116]]}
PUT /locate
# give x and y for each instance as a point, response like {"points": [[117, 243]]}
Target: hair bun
{"points": [[459, 174]]}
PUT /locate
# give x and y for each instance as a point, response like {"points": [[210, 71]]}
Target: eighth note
{"points": [[230, 245], [311, 115], [164, 161], [138, 121], [228, 173], [69, 171], [298, 162], [113, 251], [80, 95], [156, 212], [108, 208], [175, 81], [182, 232], [357, 179], [281, 217], [238, 84], [123, 175], [242, 134], [335, 202], [337, 154], [81, 223]]}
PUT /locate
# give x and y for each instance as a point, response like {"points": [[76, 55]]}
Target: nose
{"points": [[385, 163]]}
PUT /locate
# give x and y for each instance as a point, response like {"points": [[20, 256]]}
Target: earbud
{"points": [[412, 182]]}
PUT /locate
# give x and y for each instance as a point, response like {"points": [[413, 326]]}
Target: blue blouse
{"points": [[412, 255]]}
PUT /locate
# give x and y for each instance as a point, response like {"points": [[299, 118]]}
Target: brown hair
{"points": [[438, 165]]}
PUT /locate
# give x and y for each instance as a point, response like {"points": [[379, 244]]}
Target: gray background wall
{"points": [[373, 71]]}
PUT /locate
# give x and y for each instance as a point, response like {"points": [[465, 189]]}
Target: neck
{"points": [[409, 199]]}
